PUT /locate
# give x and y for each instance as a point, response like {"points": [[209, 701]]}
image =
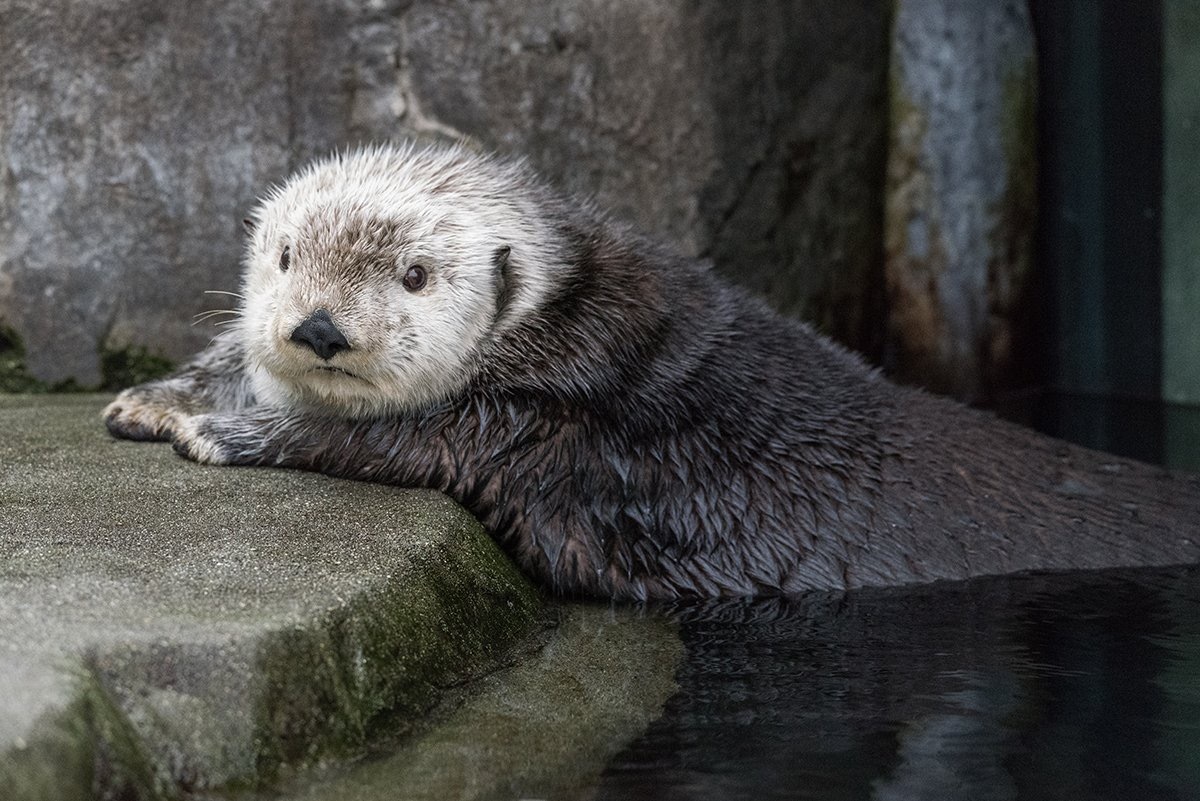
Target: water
{"points": [[1078, 686]]}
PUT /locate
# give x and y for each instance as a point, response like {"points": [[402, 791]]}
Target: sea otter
{"points": [[623, 422]]}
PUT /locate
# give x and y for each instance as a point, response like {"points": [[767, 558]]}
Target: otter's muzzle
{"points": [[319, 333]]}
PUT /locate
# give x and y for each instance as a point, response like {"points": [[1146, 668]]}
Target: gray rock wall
{"points": [[134, 135]]}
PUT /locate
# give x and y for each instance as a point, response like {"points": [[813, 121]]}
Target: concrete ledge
{"points": [[166, 627]]}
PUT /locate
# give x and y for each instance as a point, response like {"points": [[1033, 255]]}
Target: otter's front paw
{"points": [[144, 413], [197, 437]]}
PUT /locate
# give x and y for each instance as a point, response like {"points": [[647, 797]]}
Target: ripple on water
{"points": [[1079, 686]]}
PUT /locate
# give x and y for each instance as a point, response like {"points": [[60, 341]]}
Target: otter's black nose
{"points": [[320, 334]]}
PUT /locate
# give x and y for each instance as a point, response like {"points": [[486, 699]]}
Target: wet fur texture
{"points": [[623, 422]]}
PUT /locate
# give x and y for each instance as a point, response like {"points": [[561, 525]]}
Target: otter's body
{"points": [[623, 422]]}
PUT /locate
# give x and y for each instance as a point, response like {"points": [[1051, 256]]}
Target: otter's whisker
{"points": [[224, 292], [206, 315]]}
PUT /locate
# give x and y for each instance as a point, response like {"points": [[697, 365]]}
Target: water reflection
{"points": [[1044, 687]]}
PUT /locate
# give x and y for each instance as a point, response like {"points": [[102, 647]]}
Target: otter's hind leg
{"points": [[215, 380]]}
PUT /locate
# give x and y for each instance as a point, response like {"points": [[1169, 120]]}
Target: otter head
{"points": [[374, 280]]}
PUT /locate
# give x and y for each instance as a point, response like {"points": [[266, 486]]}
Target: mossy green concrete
{"points": [[119, 368], [125, 367], [541, 729], [13, 375], [169, 628]]}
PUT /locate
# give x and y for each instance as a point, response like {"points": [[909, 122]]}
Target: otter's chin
{"points": [[329, 369], [336, 392], [339, 391]]}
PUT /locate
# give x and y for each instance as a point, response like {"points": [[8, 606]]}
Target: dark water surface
{"points": [[1076, 686]]}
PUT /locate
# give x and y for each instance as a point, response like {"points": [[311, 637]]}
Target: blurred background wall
{"points": [[983, 196], [1118, 258]]}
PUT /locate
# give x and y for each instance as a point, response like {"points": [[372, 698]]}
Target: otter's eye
{"points": [[285, 258], [414, 279]]}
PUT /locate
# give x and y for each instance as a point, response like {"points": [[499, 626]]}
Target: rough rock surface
{"points": [[135, 135], [167, 627], [961, 191]]}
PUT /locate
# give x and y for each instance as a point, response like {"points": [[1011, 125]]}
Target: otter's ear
{"points": [[249, 225], [505, 280]]}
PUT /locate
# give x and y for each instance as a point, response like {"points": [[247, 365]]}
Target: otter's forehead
{"points": [[405, 177], [386, 197], [364, 209], [355, 231], [386, 230]]}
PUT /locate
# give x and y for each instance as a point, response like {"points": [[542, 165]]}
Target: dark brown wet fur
{"points": [[656, 433]]}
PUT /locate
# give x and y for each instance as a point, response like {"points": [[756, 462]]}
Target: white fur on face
{"points": [[354, 224]]}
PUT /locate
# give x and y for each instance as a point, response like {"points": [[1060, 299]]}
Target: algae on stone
{"points": [[542, 729], [119, 368], [125, 367], [14, 377]]}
